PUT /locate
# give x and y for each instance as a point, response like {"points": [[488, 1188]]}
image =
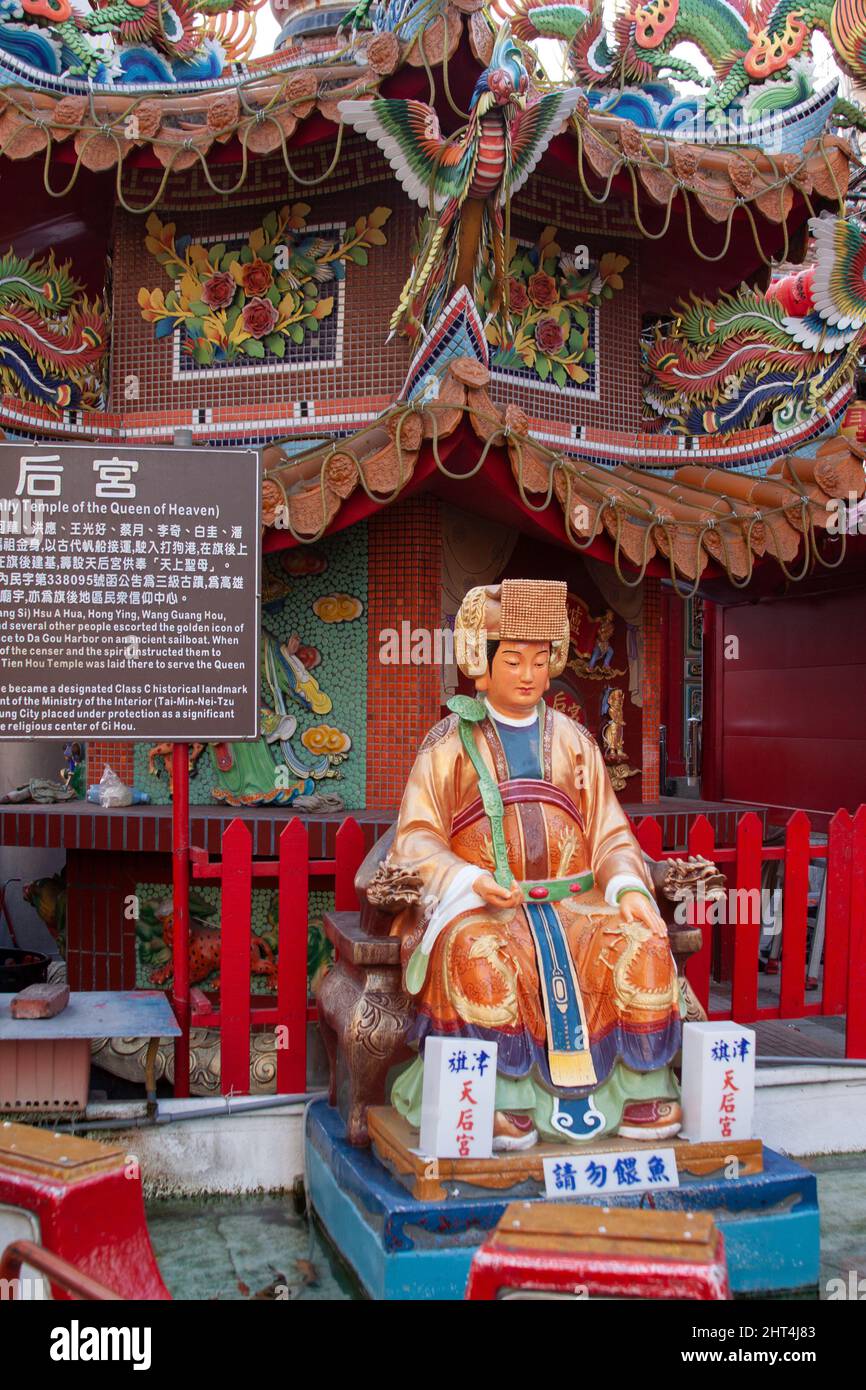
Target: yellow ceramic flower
{"points": [[610, 267], [152, 304]]}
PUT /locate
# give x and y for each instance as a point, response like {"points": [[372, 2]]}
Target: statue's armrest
{"points": [[384, 888], [675, 881]]}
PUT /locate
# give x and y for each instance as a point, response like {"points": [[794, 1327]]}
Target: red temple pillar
{"points": [[651, 689], [404, 700], [673, 611]]}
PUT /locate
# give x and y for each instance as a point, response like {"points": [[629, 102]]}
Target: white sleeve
{"points": [[458, 897], [622, 883]]}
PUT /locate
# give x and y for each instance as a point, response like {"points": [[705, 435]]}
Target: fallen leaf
{"points": [[307, 1270]]}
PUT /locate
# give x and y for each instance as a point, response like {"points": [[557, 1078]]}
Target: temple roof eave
{"points": [[689, 521], [281, 105]]}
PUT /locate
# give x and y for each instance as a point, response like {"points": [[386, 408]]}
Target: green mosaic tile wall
{"points": [[327, 607]]}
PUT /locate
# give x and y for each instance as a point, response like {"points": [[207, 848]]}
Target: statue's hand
{"points": [[494, 894], [637, 908]]}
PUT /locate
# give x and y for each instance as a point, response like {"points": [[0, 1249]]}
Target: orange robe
{"points": [[482, 976]]}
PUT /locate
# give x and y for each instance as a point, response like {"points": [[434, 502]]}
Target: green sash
{"points": [[471, 712]]}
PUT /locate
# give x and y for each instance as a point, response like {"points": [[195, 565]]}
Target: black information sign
{"points": [[129, 584]]}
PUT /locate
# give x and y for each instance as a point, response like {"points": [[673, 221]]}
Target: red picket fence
{"points": [[844, 955], [239, 1010]]}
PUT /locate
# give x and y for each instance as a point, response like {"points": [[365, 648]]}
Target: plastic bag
{"points": [[113, 792]]}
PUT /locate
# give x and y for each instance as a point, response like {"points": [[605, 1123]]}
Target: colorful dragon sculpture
{"points": [[53, 340], [117, 41], [462, 180], [744, 43], [747, 357]]}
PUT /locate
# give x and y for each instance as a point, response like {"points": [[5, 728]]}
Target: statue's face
{"points": [[519, 676]]}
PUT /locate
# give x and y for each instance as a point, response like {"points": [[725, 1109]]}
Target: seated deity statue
{"points": [[540, 931]]}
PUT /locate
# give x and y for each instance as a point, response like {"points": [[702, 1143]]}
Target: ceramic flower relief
{"points": [[303, 561], [545, 323], [246, 301]]}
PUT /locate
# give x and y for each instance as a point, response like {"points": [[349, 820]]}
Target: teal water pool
{"points": [[262, 1247], [243, 1247]]}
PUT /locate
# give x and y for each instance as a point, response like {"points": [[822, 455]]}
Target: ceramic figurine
{"points": [[603, 649], [613, 730], [541, 931], [72, 773], [462, 179]]}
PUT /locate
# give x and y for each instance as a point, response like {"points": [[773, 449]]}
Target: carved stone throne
{"points": [[364, 1013]]}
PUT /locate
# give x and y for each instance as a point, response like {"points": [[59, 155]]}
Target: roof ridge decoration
{"points": [[695, 516], [745, 358], [760, 52], [260, 105], [77, 46], [126, 41]]}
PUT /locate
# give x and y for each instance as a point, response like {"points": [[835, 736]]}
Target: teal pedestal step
{"points": [[400, 1248]]}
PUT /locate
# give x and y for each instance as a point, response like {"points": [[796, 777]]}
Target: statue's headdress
{"points": [[525, 610]]}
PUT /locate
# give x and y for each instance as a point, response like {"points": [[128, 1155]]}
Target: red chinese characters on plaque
{"points": [[718, 1081], [457, 1100]]}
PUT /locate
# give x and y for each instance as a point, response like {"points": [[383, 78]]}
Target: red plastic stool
{"points": [[82, 1201], [563, 1249]]}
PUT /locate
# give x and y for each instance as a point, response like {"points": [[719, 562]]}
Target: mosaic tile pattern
{"points": [[335, 379], [102, 753], [405, 558], [610, 398], [341, 670], [555, 295], [260, 299], [651, 708], [268, 401]]}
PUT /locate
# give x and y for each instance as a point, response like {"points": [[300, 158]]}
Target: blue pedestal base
{"points": [[400, 1248]]}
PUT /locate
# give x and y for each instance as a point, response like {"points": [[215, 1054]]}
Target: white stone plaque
{"points": [[457, 1101], [718, 1081], [611, 1174]]}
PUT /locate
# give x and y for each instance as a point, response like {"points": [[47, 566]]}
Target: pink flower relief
{"points": [[218, 290], [259, 317], [256, 278], [542, 290], [518, 299], [548, 336]]}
